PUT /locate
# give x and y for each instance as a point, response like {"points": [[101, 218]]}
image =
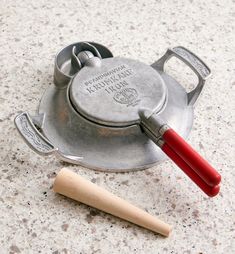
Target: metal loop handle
{"points": [[32, 136], [35, 140], [194, 62]]}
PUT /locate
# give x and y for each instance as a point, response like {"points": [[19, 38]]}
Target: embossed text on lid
{"points": [[113, 93]]}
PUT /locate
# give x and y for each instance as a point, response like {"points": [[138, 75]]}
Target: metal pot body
{"points": [[104, 145]]}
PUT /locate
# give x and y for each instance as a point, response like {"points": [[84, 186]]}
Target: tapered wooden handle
{"points": [[76, 187]]}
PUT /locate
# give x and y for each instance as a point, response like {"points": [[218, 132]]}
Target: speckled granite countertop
{"points": [[35, 220]]}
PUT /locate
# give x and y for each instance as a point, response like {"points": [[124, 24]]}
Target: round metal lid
{"points": [[113, 92]]}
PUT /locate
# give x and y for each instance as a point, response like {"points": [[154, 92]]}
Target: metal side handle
{"points": [[32, 136], [194, 62], [35, 140]]}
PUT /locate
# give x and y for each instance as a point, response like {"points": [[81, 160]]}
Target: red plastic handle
{"points": [[199, 165], [210, 191]]}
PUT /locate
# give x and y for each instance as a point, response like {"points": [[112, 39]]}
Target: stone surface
{"points": [[35, 220]]}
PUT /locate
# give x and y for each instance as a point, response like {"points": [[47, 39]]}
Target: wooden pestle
{"points": [[76, 187]]}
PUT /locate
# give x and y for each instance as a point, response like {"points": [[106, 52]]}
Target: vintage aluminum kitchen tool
{"points": [[76, 187], [103, 112]]}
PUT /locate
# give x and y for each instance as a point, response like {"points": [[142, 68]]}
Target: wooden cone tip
{"points": [[170, 228], [58, 176]]}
